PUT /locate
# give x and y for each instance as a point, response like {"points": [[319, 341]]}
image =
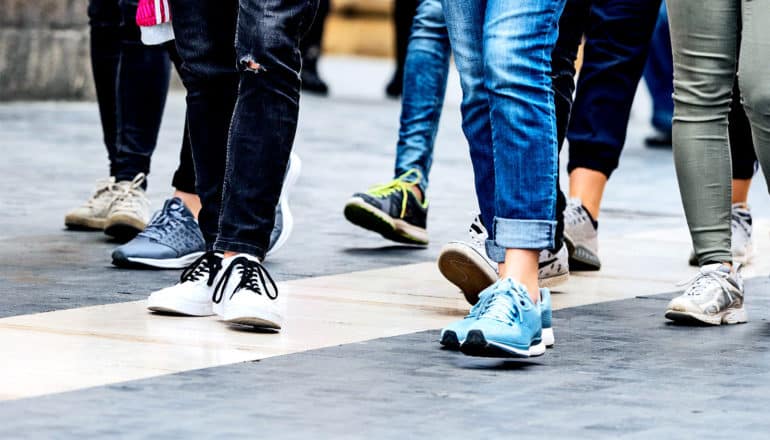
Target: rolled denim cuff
{"points": [[224, 245], [524, 234], [495, 252]]}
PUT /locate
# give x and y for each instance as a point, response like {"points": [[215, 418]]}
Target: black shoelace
{"points": [[253, 277], [208, 264]]}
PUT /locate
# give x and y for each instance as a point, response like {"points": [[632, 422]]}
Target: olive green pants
{"points": [[707, 37]]}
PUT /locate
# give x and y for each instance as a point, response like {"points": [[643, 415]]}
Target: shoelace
{"points": [[253, 277], [103, 187], [164, 221], [699, 282], [399, 184], [130, 196], [503, 306], [207, 264]]}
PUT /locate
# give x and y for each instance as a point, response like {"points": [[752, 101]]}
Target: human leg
{"points": [[704, 65], [398, 210]]}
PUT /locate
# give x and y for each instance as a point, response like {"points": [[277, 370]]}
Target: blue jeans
{"points": [[425, 77], [659, 74], [241, 63], [503, 53]]}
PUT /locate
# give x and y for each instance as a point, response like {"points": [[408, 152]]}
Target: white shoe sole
{"points": [[729, 316], [178, 306], [255, 318], [554, 281], [548, 338], [292, 175], [534, 351], [168, 263]]}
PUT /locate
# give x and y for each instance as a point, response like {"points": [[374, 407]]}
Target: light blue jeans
{"points": [[425, 77], [503, 51]]}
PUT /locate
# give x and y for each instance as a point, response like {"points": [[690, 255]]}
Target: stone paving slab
{"points": [[618, 371]]}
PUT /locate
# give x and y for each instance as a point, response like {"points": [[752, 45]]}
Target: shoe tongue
{"points": [[716, 267], [176, 204]]}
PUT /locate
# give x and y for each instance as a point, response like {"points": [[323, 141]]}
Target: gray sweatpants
{"points": [[706, 37]]}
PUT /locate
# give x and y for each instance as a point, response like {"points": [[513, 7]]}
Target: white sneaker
{"points": [[193, 294], [581, 237], [741, 229], [284, 221], [714, 296], [246, 294], [742, 248], [130, 211], [467, 266], [93, 213]]}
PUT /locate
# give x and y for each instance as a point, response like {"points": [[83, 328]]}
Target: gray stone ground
{"points": [[617, 371], [618, 368]]}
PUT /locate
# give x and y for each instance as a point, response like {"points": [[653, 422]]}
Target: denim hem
{"points": [[239, 247], [525, 234], [495, 252]]}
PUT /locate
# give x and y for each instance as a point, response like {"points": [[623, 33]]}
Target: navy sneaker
{"points": [[172, 240], [509, 325]]}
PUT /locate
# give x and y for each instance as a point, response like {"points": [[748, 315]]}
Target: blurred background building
{"points": [[44, 44]]}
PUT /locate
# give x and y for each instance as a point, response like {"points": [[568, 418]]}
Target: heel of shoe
{"points": [[735, 316]]}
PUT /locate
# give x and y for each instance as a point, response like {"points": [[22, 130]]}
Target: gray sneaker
{"points": [[581, 237], [172, 240], [130, 211], [284, 221], [742, 247], [467, 266], [714, 296], [93, 213]]}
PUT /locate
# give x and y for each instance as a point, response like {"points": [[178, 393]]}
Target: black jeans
{"points": [[241, 64], [618, 34], [563, 83], [131, 85]]}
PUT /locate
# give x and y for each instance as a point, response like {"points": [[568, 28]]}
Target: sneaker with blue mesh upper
{"points": [[392, 210], [453, 335], [172, 240], [508, 325]]}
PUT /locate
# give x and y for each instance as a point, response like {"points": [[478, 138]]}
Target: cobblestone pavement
{"points": [[617, 369]]}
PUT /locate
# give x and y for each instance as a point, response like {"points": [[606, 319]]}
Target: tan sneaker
{"points": [[93, 213], [130, 211]]}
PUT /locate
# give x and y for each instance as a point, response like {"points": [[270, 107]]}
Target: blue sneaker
{"points": [[453, 335], [546, 317], [509, 325], [172, 240]]}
